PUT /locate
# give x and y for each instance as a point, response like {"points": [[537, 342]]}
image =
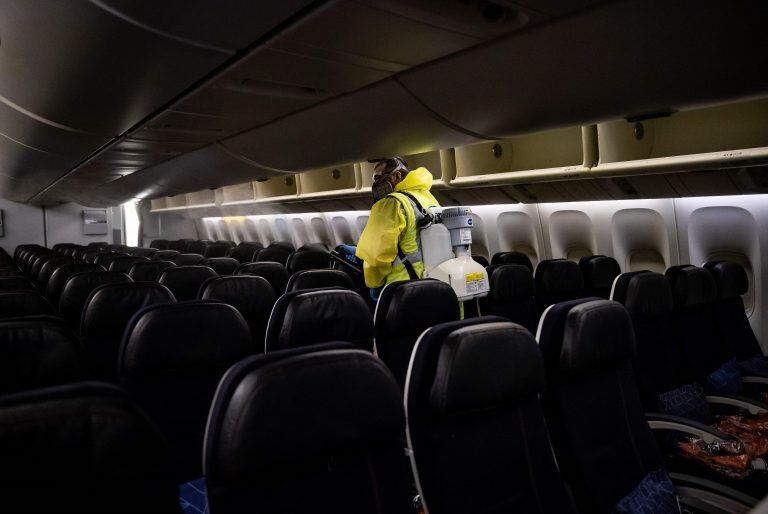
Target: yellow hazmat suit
{"points": [[393, 221]]}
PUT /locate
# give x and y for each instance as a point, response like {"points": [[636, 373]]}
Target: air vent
{"points": [[266, 88]]}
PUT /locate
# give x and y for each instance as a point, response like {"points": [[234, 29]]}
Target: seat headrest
{"points": [[730, 278], [274, 272], [518, 258], [691, 286], [199, 334], [164, 255], [23, 303], [646, 294], [222, 265], [312, 316], [149, 271], [511, 283], [598, 335], [411, 306], [124, 264], [558, 276], [275, 253], [217, 249], [485, 366], [299, 409], [111, 306], [599, 271], [320, 247], [244, 252], [38, 352], [61, 275], [237, 289], [187, 259], [319, 278], [79, 288], [185, 281], [481, 260], [308, 259], [75, 448]]}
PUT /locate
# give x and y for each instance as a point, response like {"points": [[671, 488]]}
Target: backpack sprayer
{"points": [[445, 238]]}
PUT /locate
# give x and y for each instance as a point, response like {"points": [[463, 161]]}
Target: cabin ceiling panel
{"points": [[561, 73]]}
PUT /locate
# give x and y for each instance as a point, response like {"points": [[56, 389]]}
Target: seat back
{"points": [[222, 265], [557, 280], [185, 281], [252, 296], [79, 288], [588, 346], [16, 284], [171, 360], [51, 265], [105, 259], [196, 247], [481, 259], [107, 312], [694, 292], [276, 252], [60, 276], [216, 250], [37, 353], [319, 430], [244, 252], [159, 244], [124, 264], [313, 316], [518, 258], [731, 318], [180, 245], [16, 304], [658, 363], [149, 271], [319, 278], [308, 259], [83, 447], [143, 252], [164, 255], [512, 295], [274, 272], [476, 428], [599, 272], [406, 309], [187, 259]]}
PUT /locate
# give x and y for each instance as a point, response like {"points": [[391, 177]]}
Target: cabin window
{"points": [[342, 231], [647, 259], [282, 230], [320, 230], [300, 232]]}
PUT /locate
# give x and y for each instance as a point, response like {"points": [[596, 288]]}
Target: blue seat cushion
{"points": [[687, 401], [655, 494], [726, 380], [756, 366]]}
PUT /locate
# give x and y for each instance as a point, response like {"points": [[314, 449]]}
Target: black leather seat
{"points": [[245, 252], [319, 430], [406, 309], [159, 244], [16, 304], [164, 255], [731, 318], [78, 289], [694, 292], [222, 265], [252, 296], [319, 278], [143, 252], [107, 312], [601, 439], [81, 448], [317, 247], [180, 245], [149, 271], [38, 352], [481, 259], [512, 295], [16, 284], [185, 281], [187, 259], [51, 265], [518, 258], [196, 247], [599, 272], [313, 316], [557, 280], [213, 250], [274, 272], [276, 252], [171, 360], [476, 428], [125, 263], [308, 259], [60, 276], [105, 259]]}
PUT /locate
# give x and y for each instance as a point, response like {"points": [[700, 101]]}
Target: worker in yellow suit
{"points": [[388, 246]]}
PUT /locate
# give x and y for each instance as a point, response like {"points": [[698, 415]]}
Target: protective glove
{"points": [[350, 252], [375, 292]]}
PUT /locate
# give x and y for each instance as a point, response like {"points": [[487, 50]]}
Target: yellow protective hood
{"points": [[419, 179]]}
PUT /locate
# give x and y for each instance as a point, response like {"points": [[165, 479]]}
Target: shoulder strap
{"points": [[426, 218]]}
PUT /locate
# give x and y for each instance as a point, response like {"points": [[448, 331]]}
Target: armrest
{"points": [[709, 496], [751, 379], [742, 402], [659, 421]]}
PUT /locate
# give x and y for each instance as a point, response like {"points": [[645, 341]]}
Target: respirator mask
{"points": [[381, 186]]}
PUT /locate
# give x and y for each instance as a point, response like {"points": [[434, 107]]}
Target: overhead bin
{"points": [[237, 194], [329, 182], [276, 189], [206, 198], [441, 164]]}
